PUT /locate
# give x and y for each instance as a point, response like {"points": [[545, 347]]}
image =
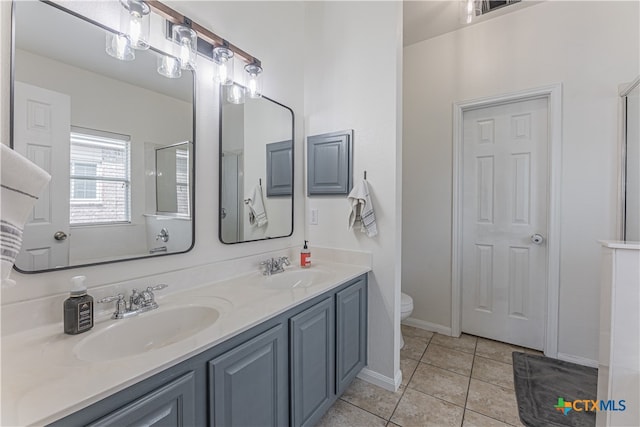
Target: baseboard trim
{"points": [[579, 360], [375, 378], [428, 326]]}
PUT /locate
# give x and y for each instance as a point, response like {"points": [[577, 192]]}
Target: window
{"points": [[182, 181], [100, 178]]}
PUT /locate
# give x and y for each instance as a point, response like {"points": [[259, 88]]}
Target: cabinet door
{"points": [[249, 382], [312, 335], [171, 405], [351, 331]]}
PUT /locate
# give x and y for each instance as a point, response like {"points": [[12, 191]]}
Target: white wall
{"points": [[244, 24], [352, 57], [589, 47]]}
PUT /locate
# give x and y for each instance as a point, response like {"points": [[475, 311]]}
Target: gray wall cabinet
{"points": [[329, 162], [249, 383], [286, 371], [312, 362], [280, 169]]}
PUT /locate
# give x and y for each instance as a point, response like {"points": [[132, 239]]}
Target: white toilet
{"points": [[406, 308]]}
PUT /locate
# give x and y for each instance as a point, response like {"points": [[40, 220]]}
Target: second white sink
{"points": [[294, 278]]}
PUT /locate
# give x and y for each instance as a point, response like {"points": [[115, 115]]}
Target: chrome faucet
{"points": [[139, 302], [274, 265]]}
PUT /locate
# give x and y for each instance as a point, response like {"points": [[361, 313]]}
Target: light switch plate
{"points": [[314, 217]]}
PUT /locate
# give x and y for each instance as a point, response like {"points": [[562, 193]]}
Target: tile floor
{"points": [[466, 381]]}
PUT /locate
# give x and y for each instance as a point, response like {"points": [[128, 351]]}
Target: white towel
{"points": [[361, 209], [257, 212], [21, 183]]}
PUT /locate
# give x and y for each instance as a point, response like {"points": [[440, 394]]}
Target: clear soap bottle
{"points": [[78, 308]]}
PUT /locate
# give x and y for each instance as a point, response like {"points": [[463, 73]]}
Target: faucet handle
{"points": [[121, 305], [112, 298], [285, 260]]}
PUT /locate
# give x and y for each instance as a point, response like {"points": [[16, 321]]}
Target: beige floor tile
{"points": [[465, 343], [474, 419], [448, 358], [372, 398], [390, 424], [440, 383], [408, 367], [420, 410], [496, 350], [493, 401], [413, 348], [410, 331], [493, 372], [343, 414]]}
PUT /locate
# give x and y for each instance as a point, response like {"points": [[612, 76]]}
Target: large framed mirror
{"points": [[256, 169], [116, 136]]}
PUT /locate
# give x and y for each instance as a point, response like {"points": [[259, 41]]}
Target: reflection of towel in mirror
{"points": [[361, 209], [257, 212], [22, 182]]}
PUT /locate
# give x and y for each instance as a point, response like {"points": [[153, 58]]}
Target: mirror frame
{"points": [[11, 136], [625, 90], [293, 168]]}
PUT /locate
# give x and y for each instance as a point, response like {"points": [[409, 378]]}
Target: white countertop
{"points": [[43, 380]]}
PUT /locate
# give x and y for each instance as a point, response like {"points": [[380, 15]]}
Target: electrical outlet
{"points": [[314, 217]]}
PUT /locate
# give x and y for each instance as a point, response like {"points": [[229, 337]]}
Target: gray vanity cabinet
{"points": [[312, 335], [285, 371], [248, 384], [351, 333]]}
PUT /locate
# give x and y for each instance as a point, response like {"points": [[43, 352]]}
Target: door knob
{"points": [[537, 239], [60, 235], [223, 214]]}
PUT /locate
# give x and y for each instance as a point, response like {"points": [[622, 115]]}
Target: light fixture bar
{"points": [[177, 18]]}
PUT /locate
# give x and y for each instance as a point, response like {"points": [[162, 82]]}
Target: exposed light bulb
{"points": [[253, 87], [223, 73], [253, 79], [470, 7], [235, 94], [135, 28], [223, 60], [185, 51]]}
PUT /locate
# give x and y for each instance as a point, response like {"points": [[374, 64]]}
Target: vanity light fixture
{"points": [[118, 47], [235, 94], [253, 79], [169, 66], [187, 41], [223, 64], [134, 22]]}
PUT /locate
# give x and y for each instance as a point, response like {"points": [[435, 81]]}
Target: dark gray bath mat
{"points": [[540, 381]]}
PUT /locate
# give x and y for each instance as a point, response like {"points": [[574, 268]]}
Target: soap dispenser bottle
{"points": [[78, 308], [305, 256]]}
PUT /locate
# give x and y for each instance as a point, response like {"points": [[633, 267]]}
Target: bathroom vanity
{"points": [[275, 354]]}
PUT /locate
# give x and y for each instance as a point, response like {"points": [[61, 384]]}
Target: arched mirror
{"points": [[256, 169], [116, 136]]}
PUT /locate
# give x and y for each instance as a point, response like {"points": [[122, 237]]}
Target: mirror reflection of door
{"points": [[41, 120], [232, 184]]}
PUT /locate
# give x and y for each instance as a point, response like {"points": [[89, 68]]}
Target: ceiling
{"points": [[424, 19]]}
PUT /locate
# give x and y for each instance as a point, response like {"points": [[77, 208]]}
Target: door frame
{"points": [[553, 94]]}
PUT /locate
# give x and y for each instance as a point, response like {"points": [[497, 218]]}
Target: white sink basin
{"points": [[145, 332], [294, 278]]}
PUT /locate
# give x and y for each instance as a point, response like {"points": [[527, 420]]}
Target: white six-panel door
{"points": [[42, 122], [504, 222]]}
